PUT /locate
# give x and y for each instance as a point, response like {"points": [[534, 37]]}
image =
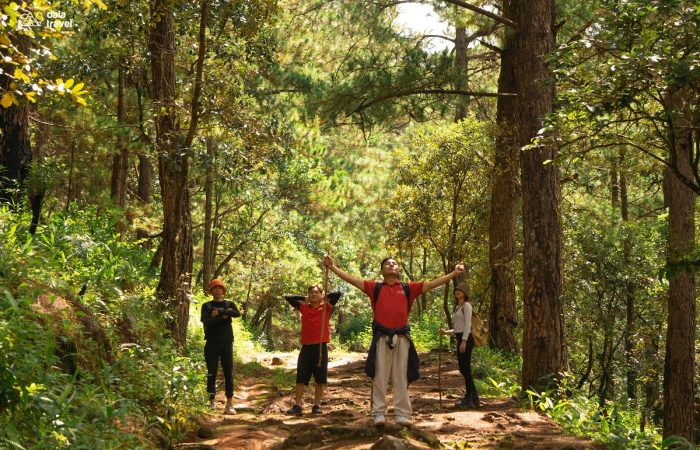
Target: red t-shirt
{"points": [[391, 308], [311, 323]]}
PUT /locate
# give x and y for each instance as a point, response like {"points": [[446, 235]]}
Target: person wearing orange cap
{"points": [[218, 333]]}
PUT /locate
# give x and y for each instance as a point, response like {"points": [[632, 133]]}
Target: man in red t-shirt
{"points": [[315, 310], [391, 335]]}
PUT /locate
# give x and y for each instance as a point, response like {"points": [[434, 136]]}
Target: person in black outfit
{"points": [[216, 317]]}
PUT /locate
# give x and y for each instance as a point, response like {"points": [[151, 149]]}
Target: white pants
{"points": [[391, 363]]}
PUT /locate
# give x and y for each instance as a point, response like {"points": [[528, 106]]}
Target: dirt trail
{"points": [[345, 422]]}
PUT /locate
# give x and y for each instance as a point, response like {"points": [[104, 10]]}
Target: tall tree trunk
{"points": [[15, 144], [120, 161], [208, 260], [504, 200], [630, 360], [461, 62], [145, 170], [525, 61], [173, 169], [650, 389], [614, 184], [679, 394], [145, 177]]}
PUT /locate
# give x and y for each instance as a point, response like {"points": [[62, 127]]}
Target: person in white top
{"points": [[462, 321]]}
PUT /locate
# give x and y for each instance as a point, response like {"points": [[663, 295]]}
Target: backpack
{"points": [[479, 331], [406, 290]]}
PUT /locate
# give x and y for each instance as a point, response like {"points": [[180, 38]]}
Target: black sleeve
{"points": [[294, 300], [206, 317], [232, 311], [333, 297]]}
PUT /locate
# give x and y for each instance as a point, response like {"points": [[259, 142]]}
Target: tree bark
{"points": [[630, 360], [504, 200], [144, 180], [525, 58], [120, 162], [208, 260], [679, 394], [173, 168], [145, 170], [461, 62], [15, 145]]}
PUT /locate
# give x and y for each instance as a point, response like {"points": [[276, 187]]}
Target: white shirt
{"points": [[462, 320]]}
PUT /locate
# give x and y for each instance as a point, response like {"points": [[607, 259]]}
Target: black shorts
{"points": [[307, 362]]}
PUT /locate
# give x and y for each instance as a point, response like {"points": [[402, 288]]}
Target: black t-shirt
{"points": [[219, 328]]}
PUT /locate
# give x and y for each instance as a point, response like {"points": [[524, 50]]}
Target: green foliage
{"points": [[56, 390], [615, 426]]}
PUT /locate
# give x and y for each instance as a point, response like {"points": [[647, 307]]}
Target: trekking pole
{"points": [[323, 317], [440, 371]]}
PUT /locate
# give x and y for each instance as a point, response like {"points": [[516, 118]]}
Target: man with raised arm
{"points": [[392, 353]]}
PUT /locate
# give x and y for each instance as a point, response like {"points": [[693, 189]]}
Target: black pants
{"points": [[213, 353], [465, 364], [307, 364]]}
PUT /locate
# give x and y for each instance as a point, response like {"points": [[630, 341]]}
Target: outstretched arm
{"points": [[330, 264], [429, 285]]}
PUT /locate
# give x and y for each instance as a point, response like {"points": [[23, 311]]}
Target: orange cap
{"points": [[216, 282]]}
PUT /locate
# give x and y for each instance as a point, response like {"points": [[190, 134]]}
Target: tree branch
{"points": [[429, 91], [194, 115], [483, 12]]}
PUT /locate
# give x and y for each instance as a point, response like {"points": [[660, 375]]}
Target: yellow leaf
{"points": [[59, 81], [80, 100], [21, 75], [31, 96], [69, 83], [4, 40], [6, 101], [78, 88], [100, 4]]}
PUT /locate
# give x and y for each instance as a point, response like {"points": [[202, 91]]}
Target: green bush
{"points": [[579, 414], [56, 391]]}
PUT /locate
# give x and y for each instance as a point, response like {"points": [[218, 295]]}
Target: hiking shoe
{"points": [[316, 410], [404, 421], [296, 409], [229, 410], [466, 402], [379, 420], [475, 400]]}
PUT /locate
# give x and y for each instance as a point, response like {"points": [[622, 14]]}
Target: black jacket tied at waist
{"points": [[413, 369]]}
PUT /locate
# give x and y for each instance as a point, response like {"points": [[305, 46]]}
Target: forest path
{"points": [[261, 422]]}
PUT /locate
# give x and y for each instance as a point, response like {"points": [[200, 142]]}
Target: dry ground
{"points": [[345, 424]]}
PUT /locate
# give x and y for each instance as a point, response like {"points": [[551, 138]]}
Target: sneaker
{"points": [[475, 400], [296, 409], [316, 410], [229, 410], [404, 421], [466, 402], [379, 420]]}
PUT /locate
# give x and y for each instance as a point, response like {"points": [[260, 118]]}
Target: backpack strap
{"points": [[407, 291], [377, 289]]}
